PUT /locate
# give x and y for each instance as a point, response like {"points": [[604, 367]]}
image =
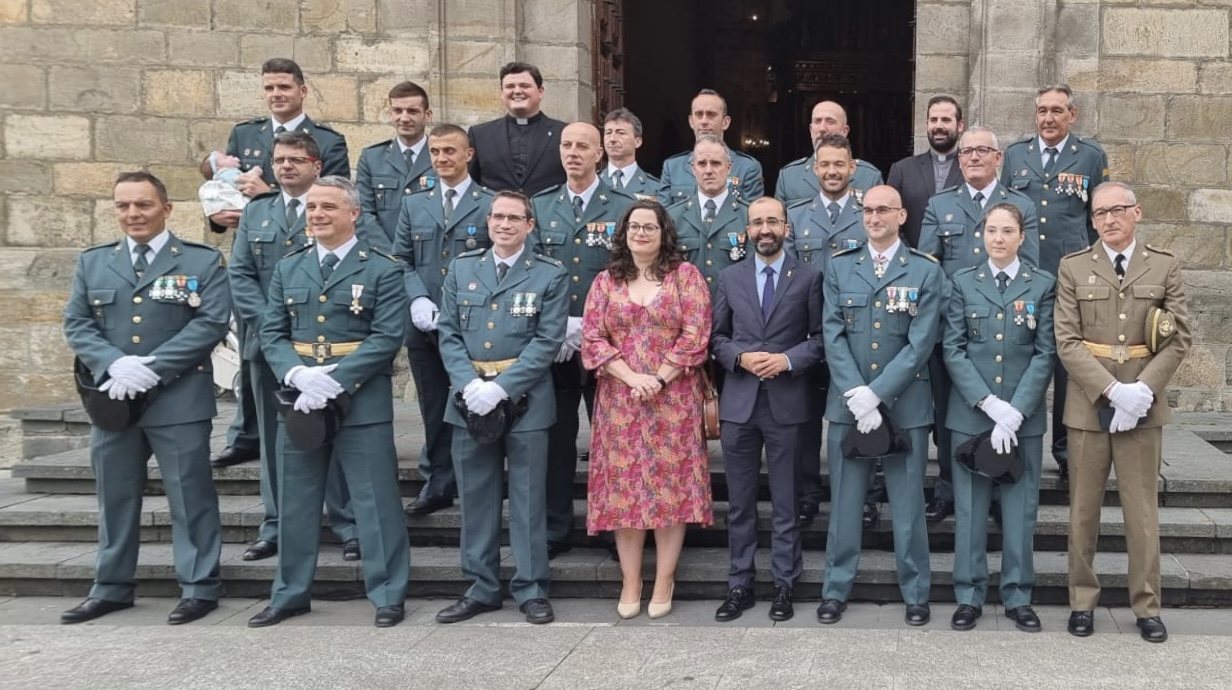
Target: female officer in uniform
{"points": [[998, 347]]}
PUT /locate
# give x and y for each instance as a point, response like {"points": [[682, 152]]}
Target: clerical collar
{"points": [[526, 120], [290, 125], [943, 157]]}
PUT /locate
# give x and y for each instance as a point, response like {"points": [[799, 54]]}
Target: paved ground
{"points": [[588, 647]]}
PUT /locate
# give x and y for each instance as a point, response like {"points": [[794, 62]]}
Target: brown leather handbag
{"points": [[710, 403]]}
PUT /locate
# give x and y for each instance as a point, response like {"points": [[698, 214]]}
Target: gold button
{"points": [[487, 346], [575, 296], [709, 279], [136, 338], [997, 379], [494, 307], [491, 325], [137, 299], [136, 319], [873, 366], [322, 298], [1121, 295], [1121, 338], [998, 358], [876, 324], [358, 384], [848, 302], [466, 301], [1043, 220], [1000, 337], [97, 302], [977, 234], [290, 301], [977, 250], [1090, 295], [877, 304], [288, 243], [1043, 202], [1122, 317], [445, 253], [1000, 315], [709, 246], [577, 260], [320, 338], [321, 318], [876, 346], [577, 279], [1045, 186], [577, 240], [709, 262], [1043, 237], [444, 271]]}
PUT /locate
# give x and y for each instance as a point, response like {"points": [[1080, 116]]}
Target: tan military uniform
{"points": [[1101, 335]]}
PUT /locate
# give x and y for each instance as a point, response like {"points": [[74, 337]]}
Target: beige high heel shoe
{"points": [[657, 609], [632, 609]]}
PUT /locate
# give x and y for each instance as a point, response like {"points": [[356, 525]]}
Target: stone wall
{"points": [[92, 88]]}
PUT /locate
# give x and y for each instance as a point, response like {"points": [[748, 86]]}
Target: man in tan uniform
{"points": [[1120, 350]]}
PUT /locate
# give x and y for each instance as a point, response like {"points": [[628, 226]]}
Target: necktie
{"points": [[618, 179], [1003, 280], [292, 213], [409, 156], [279, 129], [1052, 158], [979, 199], [141, 264], [767, 293], [834, 210], [708, 216], [502, 269], [327, 265], [449, 202], [879, 265], [1119, 265], [577, 207]]}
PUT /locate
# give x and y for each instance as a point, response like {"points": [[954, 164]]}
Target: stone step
{"points": [[66, 569], [67, 518]]}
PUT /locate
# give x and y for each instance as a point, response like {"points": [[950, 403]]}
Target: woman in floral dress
{"points": [[645, 332]]}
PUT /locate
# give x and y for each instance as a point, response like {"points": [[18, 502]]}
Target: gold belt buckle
{"points": [[321, 351], [1120, 353]]}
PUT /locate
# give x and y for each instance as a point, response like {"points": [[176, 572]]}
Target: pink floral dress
{"points": [[648, 462]]}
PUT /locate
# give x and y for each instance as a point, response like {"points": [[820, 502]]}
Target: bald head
{"points": [[828, 118], [883, 215], [580, 153]]}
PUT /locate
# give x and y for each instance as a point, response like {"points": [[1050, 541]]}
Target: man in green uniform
{"points": [[798, 181], [708, 117], [622, 137], [392, 169], [712, 222], [143, 316], [335, 320], [574, 223], [1058, 171], [503, 318], [272, 227], [436, 225], [882, 307]]}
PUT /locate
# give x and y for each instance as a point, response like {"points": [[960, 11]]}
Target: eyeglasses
{"points": [[648, 229], [1115, 211], [293, 160], [969, 151], [502, 217], [772, 223], [881, 210]]}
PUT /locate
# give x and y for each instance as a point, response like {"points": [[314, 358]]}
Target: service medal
{"points": [[1019, 305], [737, 252], [194, 300], [853, 244], [470, 237], [356, 292], [516, 310], [914, 295], [891, 291], [1031, 315], [530, 308]]}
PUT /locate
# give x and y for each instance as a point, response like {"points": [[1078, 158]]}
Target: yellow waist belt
{"points": [[1118, 352], [490, 370], [323, 351]]}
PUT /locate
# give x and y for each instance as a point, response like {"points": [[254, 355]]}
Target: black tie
{"points": [[979, 199], [577, 207], [1119, 265], [141, 264], [292, 214], [710, 211], [767, 293], [1003, 280], [408, 155], [449, 202], [834, 210], [279, 130], [617, 176], [1052, 159], [502, 269], [327, 265]]}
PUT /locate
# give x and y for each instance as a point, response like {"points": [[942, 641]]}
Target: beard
{"points": [[769, 246], [945, 145]]}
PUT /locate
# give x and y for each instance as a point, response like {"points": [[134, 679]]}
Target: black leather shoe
{"points": [[427, 506], [233, 456], [918, 614], [1152, 629], [350, 550], [90, 609], [872, 515], [1024, 618], [739, 600], [1081, 623], [464, 609], [806, 513], [389, 616], [831, 611], [538, 611], [780, 607], [272, 616], [190, 610], [260, 550], [938, 509], [964, 618], [556, 548]]}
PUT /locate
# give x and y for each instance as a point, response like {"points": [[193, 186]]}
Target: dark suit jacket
{"points": [[491, 165], [739, 327], [913, 178]]}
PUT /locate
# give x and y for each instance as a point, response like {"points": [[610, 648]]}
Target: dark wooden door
{"points": [[608, 59]]}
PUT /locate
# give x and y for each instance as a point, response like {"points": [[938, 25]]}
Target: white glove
{"points": [[1134, 398], [484, 398], [116, 390], [315, 380], [869, 422], [307, 402], [1003, 439], [470, 387], [424, 313], [1002, 412], [861, 400], [132, 372], [573, 333], [1122, 421], [566, 351]]}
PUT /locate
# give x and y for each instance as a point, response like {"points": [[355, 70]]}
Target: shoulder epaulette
{"points": [[266, 195], [1080, 252], [198, 245], [472, 253], [953, 188], [844, 252], [798, 161], [381, 253], [621, 192], [326, 127], [801, 202], [926, 255], [380, 144], [549, 260], [549, 191], [298, 251], [255, 120], [1158, 250], [969, 269], [682, 154], [114, 244]]}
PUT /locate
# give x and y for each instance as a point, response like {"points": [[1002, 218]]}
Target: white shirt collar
{"points": [[987, 191], [718, 200], [1059, 147], [888, 253], [302, 198], [629, 171], [462, 188], [340, 252], [842, 201], [1128, 253], [290, 125], [417, 147], [155, 244], [511, 261], [586, 194], [1011, 270]]}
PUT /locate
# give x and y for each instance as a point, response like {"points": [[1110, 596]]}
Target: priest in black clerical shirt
{"points": [[518, 151]]}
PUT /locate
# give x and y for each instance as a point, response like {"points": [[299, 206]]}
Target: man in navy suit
{"points": [[762, 340], [518, 152]]}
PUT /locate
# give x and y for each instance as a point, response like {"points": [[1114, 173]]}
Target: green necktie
{"points": [[141, 264], [327, 265]]}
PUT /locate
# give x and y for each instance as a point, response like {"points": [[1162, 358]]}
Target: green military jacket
{"points": [[427, 244], [714, 246], [383, 181], [746, 180], [252, 141], [798, 182], [814, 239], [953, 227]]}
